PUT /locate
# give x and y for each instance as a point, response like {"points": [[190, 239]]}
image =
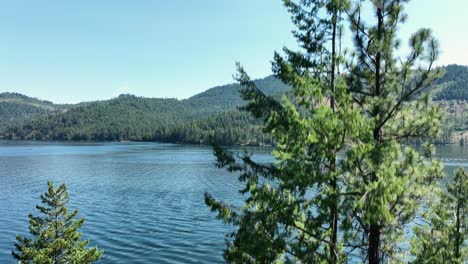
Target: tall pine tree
{"points": [[55, 236], [387, 178], [292, 209], [307, 206]]}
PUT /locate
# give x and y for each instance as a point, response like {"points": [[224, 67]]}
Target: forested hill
{"points": [[210, 113], [453, 85], [127, 117], [15, 105], [228, 95]]}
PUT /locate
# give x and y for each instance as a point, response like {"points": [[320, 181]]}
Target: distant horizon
{"points": [[69, 52], [130, 94], [157, 97]]}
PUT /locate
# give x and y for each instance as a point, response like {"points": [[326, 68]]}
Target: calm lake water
{"points": [[143, 201]]}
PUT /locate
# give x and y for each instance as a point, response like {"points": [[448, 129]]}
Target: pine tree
{"points": [[296, 206], [292, 209], [55, 237], [443, 238], [387, 178]]}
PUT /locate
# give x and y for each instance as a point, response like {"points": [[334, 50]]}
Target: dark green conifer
{"points": [[387, 178], [376, 106], [55, 236], [292, 209]]}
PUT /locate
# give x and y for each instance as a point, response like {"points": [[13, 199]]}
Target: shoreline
{"points": [[455, 140], [129, 141]]}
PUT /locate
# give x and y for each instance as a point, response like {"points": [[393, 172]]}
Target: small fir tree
{"points": [[55, 236]]}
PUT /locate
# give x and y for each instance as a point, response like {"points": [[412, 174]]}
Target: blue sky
{"points": [[83, 50]]}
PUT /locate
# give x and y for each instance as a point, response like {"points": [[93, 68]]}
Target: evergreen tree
{"points": [[292, 209], [443, 238], [388, 179], [55, 235]]}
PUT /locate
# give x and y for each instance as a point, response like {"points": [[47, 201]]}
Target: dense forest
{"points": [[211, 113], [453, 85], [214, 112], [15, 105]]}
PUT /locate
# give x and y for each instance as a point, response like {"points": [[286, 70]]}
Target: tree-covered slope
{"points": [[15, 105], [210, 113], [453, 85], [127, 117], [227, 96], [123, 118]]}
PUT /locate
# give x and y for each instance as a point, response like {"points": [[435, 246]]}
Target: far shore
{"points": [[458, 138]]}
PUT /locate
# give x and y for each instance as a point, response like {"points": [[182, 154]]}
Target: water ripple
{"points": [[143, 201]]}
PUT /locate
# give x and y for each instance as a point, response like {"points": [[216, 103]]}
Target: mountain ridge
{"points": [[212, 113], [268, 84], [129, 117]]}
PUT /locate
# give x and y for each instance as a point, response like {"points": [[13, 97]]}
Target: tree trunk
{"points": [[374, 242], [375, 229], [333, 183], [458, 235]]}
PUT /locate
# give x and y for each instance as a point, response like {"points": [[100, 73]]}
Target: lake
{"points": [[143, 201]]}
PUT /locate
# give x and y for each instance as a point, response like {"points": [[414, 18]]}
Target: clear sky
{"points": [[83, 50]]}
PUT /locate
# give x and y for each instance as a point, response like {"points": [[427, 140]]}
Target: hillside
{"points": [[228, 95], [210, 113], [453, 85], [127, 117], [15, 105]]}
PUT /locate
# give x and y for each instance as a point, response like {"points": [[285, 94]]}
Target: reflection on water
{"points": [[143, 201]]}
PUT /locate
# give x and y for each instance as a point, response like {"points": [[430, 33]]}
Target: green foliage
{"points": [[291, 210], [369, 114], [456, 115], [453, 85], [381, 169], [443, 237], [227, 96], [55, 236], [212, 113], [14, 106]]}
